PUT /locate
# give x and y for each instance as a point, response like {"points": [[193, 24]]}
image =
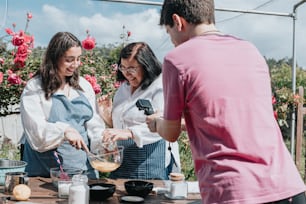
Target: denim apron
{"points": [[75, 113], [142, 163]]}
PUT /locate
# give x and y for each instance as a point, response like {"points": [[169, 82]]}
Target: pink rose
{"points": [[93, 81], [89, 43], [117, 84], [30, 75], [1, 77], [14, 79], [1, 60], [273, 100], [96, 88], [90, 79]]}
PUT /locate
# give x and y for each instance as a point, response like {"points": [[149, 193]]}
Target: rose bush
{"points": [[284, 100], [18, 64]]}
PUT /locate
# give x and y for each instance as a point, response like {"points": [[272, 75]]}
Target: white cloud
{"points": [[107, 29], [272, 35]]}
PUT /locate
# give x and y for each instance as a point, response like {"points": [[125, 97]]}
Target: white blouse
{"points": [[125, 115], [35, 109]]}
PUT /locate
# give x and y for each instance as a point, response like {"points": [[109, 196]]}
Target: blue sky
{"points": [[272, 35]]}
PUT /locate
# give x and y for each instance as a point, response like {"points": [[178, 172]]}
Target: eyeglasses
{"points": [[130, 70]]}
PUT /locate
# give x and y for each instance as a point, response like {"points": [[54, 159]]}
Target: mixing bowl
{"points": [[7, 165]]}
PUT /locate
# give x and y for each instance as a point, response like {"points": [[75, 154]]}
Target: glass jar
{"points": [[178, 188], [79, 190]]}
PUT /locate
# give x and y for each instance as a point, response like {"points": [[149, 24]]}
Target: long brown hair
{"points": [[48, 71]]}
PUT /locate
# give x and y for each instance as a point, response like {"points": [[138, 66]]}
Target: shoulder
{"points": [[84, 84], [33, 84]]}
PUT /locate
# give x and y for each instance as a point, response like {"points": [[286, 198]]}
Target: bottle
{"points": [[178, 186], [79, 190]]}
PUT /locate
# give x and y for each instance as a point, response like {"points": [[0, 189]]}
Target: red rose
{"points": [[275, 115], [22, 51], [1, 60], [14, 79], [9, 31], [17, 40], [89, 43], [19, 61], [29, 15]]}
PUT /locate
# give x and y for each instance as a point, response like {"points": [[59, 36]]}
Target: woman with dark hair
{"points": [[58, 111], [146, 154]]}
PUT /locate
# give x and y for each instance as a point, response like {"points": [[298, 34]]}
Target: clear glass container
{"points": [[178, 188], [79, 190]]}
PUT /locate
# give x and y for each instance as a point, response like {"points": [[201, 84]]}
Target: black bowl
{"points": [[101, 191], [138, 187]]}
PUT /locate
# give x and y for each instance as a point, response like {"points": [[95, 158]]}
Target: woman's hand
{"points": [[75, 139], [105, 106], [116, 134]]}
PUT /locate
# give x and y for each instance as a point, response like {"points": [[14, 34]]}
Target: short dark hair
{"points": [[144, 55], [193, 11]]}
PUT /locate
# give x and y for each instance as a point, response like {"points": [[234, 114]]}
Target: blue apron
{"points": [[75, 113], [142, 163]]}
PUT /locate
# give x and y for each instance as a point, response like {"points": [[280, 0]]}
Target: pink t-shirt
{"points": [[221, 85]]}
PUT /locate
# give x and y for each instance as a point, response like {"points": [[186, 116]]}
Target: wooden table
{"points": [[43, 192]]}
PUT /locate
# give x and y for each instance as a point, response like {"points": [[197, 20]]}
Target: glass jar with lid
{"points": [[79, 190], [178, 186]]}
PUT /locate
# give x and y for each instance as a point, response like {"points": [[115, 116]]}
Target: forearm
{"points": [[168, 129]]}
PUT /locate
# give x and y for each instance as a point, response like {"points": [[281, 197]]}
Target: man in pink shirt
{"points": [[221, 86]]}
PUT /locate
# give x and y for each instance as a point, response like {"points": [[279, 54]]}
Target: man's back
{"points": [[223, 86]]}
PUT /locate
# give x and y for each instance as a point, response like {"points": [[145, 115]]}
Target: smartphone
{"points": [[144, 104]]}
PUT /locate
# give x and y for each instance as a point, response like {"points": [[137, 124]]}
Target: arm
{"points": [[105, 109], [34, 110], [168, 129], [170, 126], [95, 126]]}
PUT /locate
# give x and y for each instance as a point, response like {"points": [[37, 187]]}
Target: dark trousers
{"points": [[297, 199]]}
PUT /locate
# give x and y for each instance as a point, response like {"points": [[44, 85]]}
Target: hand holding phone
{"points": [[144, 104]]}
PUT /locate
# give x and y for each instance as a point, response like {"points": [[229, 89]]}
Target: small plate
{"points": [[168, 195], [132, 199]]}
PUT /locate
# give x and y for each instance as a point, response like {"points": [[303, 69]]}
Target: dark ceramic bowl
{"points": [[138, 187], [101, 191]]}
